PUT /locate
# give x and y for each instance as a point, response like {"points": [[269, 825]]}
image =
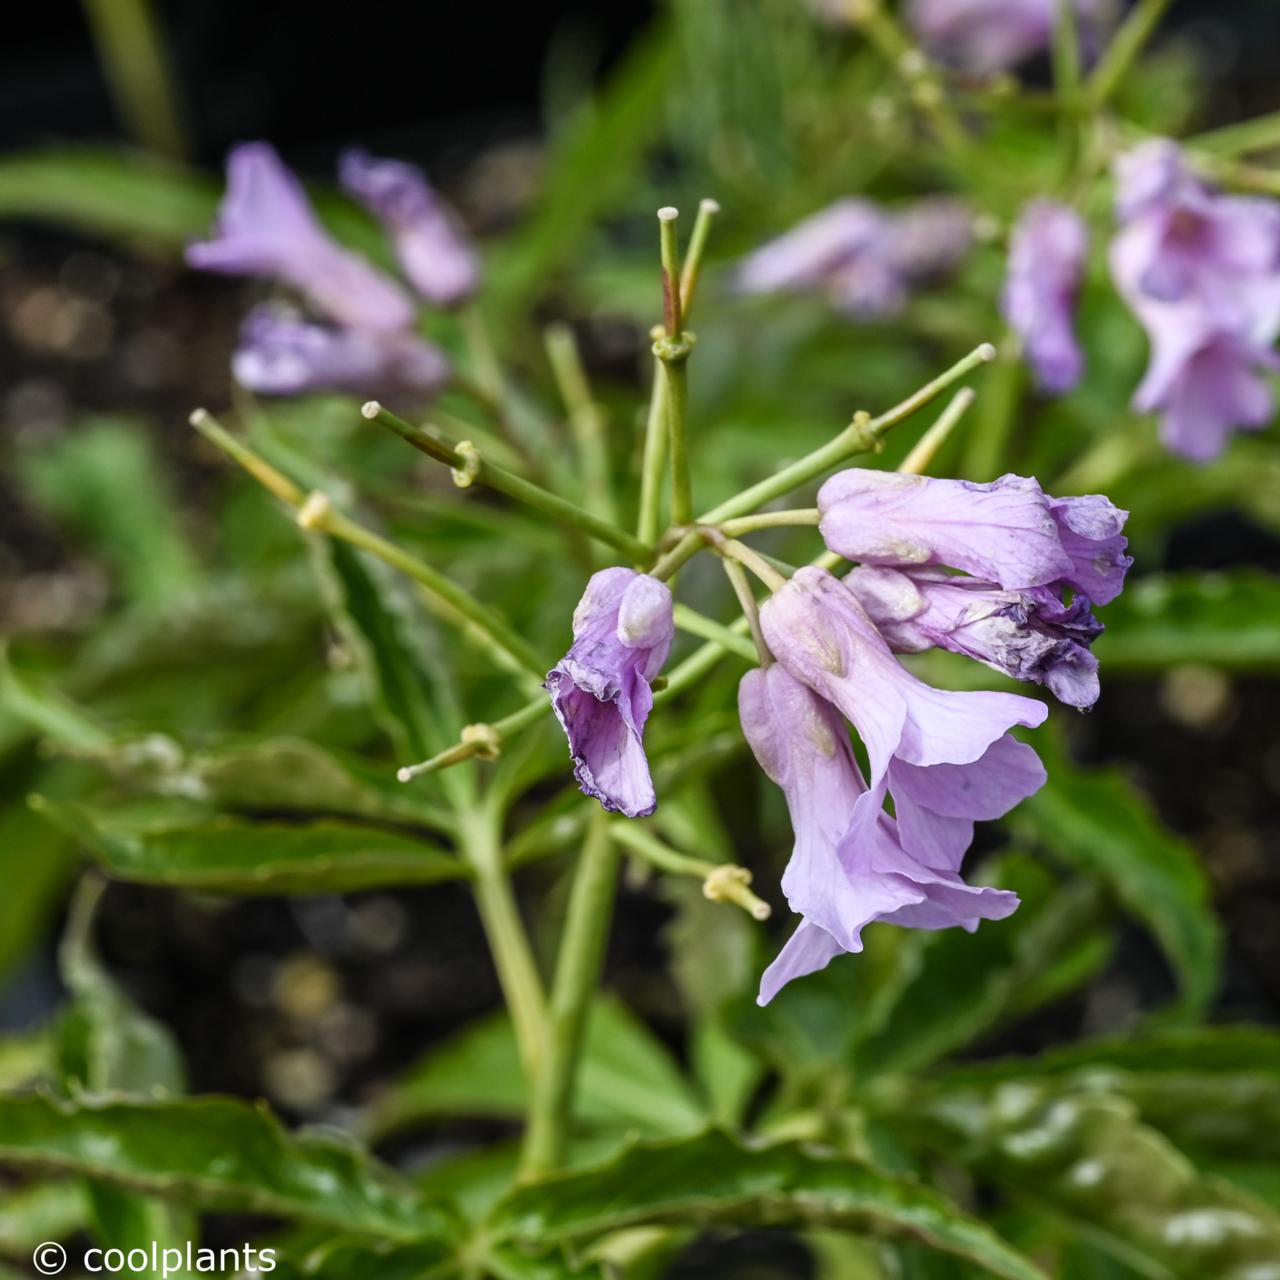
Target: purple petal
{"points": [[437, 257], [266, 227], [813, 250]]}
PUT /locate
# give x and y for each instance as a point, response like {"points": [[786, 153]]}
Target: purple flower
{"points": [[1046, 262], [282, 354], [1007, 531], [821, 634], [1028, 634], [864, 258], [436, 256], [622, 632], [985, 36], [842, 876], [266, 227], [1202, 273]]}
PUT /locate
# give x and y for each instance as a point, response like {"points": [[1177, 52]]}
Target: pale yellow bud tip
{"points": [[708, 205], [668, 213], [198, 417], [314, 511], [987, 352], [370, 409], [404, 775]]}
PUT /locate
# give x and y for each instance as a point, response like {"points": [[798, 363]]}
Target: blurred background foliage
{"points": [[210, 705]]}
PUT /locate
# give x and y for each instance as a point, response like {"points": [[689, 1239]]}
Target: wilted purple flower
{"points": [[435, 254], [1006, 531], [864, 258], [1046, 262], [282, 354], [1028, 634], [839, 878], [622, 632], [266, 227], [984, 36], [1202, 273], [821, 634]]}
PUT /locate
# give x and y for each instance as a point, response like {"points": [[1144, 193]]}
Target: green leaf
{"points": [[1120, 1184], [24, 1059], [966, 985], [511, 1262], [102, 480], [628, 1078], [46, 711], [225, 855], [265, 775], [120, 194], [1096, 820], [347, 1258], [712, 1180], [1227, 620], [218, 1154], [42, 1211]]}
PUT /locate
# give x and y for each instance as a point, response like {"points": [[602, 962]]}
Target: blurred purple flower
{"points": [[839, 879], [985, 36], [622, 632], [821, 634], [435, 254], [1007, 531], [1028, 634], [1202, 273], [282, 354], [266, 227], [1046, 262], [864, 258]]}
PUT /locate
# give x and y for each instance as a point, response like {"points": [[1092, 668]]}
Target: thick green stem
{"points": [[1123, 51], [652, 469], [522, 989], [578, 966], [479, 470], [677, 397]]}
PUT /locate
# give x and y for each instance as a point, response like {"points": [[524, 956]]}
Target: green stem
{"points": [[482, 471], [1066, 52], [750, 610], [655, 459], [131, 49], [1260, 134], [677, 397], [692, 273], [916, 463], [483, 740], [989, 440], [1122, 52], [522, 989], [758, 565], [695, 624], [795, 518], [578, 967], [585, 420], [669, 247]]}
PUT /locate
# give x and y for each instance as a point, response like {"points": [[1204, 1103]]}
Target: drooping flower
{"points": [[864, 258], [985, 36], [1006, 531], [282, 354], [266, 227], [1028, 634], [622, 632], [1201, 271], [1046, 262], [436, 256], [840, 876], [821, 634]]}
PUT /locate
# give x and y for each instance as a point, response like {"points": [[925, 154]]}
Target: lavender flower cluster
{"points": [[1028, 569], [361, 336]]}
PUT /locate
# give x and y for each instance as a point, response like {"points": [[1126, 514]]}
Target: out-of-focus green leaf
{"points": [[103, 481], [218, 1154], [24, 1059], [712, 1180], [966, 985], [627, 1078], [38, 1212], [121, 194], [1095, 819], [347, 1258], [265, 775], [226, 855], [592, 162], [46, 711], [1088, 1157], [511, 1262], [1229, 620]]}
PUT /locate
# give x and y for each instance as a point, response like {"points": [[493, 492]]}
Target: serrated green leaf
{"points": [[226, 855], [1227, 620], [627, 1078], [712, 1180], [218, 1154], [1088, 1158], [1096, 820]]}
